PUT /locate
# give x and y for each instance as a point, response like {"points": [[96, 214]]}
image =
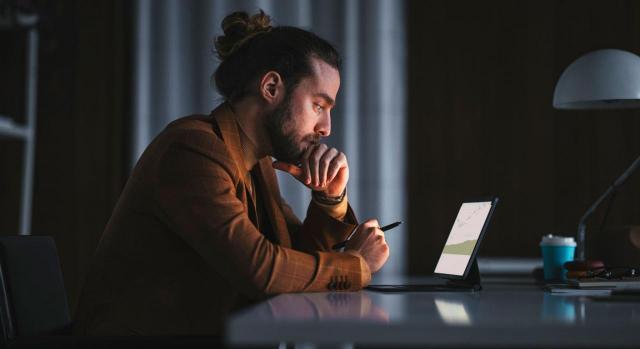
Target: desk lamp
{"points": [[602, 79]]}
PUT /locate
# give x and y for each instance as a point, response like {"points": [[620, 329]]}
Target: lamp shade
{"points": [[602, 79]]}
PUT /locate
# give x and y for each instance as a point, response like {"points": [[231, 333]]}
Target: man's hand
{"points": [[369, 241], [323, 169]]}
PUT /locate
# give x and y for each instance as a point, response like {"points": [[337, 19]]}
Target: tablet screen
{"points": [[463, 238]]}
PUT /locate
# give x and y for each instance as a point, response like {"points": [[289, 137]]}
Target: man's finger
{"points": [[325, 161], [372, 232], [338, 162], [314, 160], [305, 165], [289, 168], [371, 223]]}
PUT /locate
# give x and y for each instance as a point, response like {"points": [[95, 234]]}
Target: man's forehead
{"points": [[325, 80], [321, 67]]}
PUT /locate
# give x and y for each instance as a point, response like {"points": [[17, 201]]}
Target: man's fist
{"points": [[369, 241], [323, 169]]}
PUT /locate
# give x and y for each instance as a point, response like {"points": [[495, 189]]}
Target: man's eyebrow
{"points": [[326, 98]]}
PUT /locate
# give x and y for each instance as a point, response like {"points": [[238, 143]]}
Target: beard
{"points": [[287, 145]]}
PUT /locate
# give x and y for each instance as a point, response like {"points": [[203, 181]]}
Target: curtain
{"points": [[174, 62]]}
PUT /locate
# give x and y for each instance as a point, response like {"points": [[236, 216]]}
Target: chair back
{"points": [[32, 293]]}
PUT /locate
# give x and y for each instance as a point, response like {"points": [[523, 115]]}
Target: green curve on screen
{"points": [[463, 248]]}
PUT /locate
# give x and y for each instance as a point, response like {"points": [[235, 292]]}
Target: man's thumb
{"points": [[287, 167]]}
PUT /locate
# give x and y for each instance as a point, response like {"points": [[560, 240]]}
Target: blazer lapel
{"points": [[269, 185], [231, 137], [267, 178]]}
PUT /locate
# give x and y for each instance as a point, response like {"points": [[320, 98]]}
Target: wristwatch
{"points": [[328, 200]]}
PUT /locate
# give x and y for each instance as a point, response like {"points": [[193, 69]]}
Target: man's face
{"points": [[303, 117]]}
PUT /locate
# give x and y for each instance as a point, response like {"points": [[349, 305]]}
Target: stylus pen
{"points": [[340, 245]]}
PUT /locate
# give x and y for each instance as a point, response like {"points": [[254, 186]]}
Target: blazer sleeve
{"points": [[319, 231], [195, 192]]}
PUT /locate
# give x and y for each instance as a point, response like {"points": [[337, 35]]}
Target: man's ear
{"points": [[272, 87]]}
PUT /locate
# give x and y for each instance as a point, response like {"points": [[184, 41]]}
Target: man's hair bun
{"points": [[238, 28], [249, 47]]}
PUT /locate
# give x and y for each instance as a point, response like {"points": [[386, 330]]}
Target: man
{"points": [[201, 230]]}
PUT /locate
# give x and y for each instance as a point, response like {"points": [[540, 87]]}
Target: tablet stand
{"points": [[472, 281]]}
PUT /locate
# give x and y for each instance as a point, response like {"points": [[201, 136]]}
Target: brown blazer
{"points": [[182, 251]]}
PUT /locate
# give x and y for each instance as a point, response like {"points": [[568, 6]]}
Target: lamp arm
{"points": [[582, 226]]}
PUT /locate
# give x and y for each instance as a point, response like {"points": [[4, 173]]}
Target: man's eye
{"points": [[318, 108]]}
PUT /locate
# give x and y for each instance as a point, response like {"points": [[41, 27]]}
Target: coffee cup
{"points": [[556, 250]]}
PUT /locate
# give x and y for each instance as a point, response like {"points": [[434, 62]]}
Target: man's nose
{"points": [[323, 127]]}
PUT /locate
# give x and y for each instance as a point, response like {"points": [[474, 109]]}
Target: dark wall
{"points": [[84, 115], [83, 118], [481, 81]]}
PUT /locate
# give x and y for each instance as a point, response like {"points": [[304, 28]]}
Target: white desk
{"points": [[511, 312]]}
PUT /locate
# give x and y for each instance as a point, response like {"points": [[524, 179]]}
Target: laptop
{"points": [[457, 264]]}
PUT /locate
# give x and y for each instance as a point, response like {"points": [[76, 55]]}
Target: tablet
{"points": [[457, 260], [464, 238]]}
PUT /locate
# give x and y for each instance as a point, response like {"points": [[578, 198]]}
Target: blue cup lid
{"points": [[557, 240]]}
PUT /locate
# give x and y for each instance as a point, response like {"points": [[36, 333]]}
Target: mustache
{"points": [[313, 139]]}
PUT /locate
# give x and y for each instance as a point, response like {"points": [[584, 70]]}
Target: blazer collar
{"points": [[231, 136], [267, 176]]}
